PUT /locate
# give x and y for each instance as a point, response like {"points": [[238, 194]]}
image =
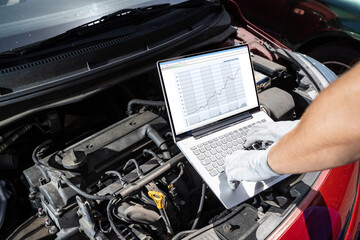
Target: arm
{"points": [[328, 134]]}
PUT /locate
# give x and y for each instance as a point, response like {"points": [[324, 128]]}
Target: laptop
{"points": [[212, 101]]}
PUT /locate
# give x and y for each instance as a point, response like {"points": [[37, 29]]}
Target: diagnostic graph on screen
{"points": [[210, 90]]}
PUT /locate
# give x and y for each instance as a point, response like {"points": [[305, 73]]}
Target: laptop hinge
{"points": [[199, 133]]}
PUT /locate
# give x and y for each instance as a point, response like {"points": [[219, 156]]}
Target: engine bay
{"points": [[106, 167]]}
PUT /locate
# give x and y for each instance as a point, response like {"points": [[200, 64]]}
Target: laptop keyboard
{"points": [[212, 153]]}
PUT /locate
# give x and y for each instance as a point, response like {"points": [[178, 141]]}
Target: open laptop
{"points": [[212, 101]]}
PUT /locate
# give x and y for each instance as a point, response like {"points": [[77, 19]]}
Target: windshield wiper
{"points": [[104, 24], [119, 15]]}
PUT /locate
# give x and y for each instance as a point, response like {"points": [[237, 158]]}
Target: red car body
{"points": [[329, 211]]}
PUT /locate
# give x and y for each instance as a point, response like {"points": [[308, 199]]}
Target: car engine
{"points": [[102, 169], [97, 165]]}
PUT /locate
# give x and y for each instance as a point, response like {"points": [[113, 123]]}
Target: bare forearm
{"points": [[328, 134]]}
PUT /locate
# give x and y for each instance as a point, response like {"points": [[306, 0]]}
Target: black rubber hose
{"points": [[9, 161], [84, 194], [111, 220], [41, 166], [159, 141], [143, 102], [181, 165], [180, 235], [14, 137], [36, 150], [3, 204], [201, 205]]}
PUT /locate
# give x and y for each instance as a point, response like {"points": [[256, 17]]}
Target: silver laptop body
{"points": [[211, 97]]}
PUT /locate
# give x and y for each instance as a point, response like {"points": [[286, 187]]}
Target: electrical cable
{"points": [[114, 213], [84, 194], [36, 150], [97, 215], [101, 198], [180, 235], [181, 166], [111, 220], [41, 166], [63, 177], [201, 205], [102, 229]]}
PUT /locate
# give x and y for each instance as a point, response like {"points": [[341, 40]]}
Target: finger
{"points": [[233, 184], [258, 127], [235, 156], [257, 137]]}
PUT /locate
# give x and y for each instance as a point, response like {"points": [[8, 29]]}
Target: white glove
{"points": [[248, 166], [269, 131]]}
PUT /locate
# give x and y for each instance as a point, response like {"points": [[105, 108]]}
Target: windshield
{"points": [[24, 22]]}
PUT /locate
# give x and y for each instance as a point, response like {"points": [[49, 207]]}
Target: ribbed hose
{"points": [[13, 137]]}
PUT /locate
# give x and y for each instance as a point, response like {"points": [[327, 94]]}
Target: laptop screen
{"points": [[208, 87]]}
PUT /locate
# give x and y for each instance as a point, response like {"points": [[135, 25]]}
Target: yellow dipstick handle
{"points": [[157, 197]]}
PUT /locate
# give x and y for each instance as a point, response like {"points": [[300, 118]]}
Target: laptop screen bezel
{"points": [[181, 135]]}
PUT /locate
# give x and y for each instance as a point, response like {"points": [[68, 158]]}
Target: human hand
{"points": [[248, 166], [269, 131]]}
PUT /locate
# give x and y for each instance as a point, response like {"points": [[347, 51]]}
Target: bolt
{"points": [[41, 212], [52, 230], [47, 222], [89, 146], [228, 227], [32, 195], [57, 211], [79, 213]]}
